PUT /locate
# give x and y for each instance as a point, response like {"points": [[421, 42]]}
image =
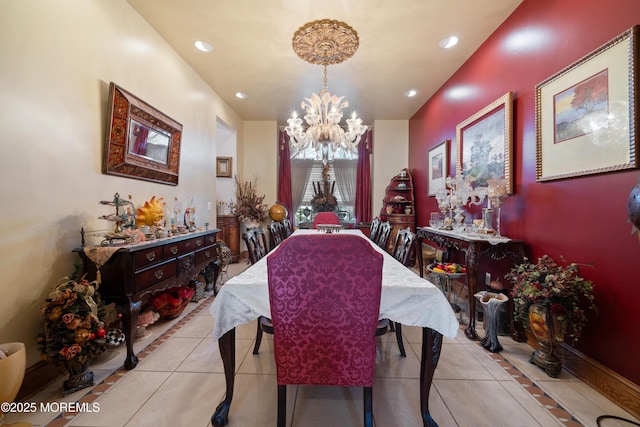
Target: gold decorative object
{"points": [[277, 212], [152, 213], [323, 43]]}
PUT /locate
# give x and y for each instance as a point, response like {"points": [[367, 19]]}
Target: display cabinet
{"points": [[398, 204], [229, 226]]}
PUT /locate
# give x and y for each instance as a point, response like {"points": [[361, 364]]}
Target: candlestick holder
{"points": [[498, 193]]}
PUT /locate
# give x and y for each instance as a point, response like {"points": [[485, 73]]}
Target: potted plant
{"points": [[549, 299], [250, 207], [72, 332]]}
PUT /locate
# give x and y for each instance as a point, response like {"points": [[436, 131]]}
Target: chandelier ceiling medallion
{"points": [[325, 42]]}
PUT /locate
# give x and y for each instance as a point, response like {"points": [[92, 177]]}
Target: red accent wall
{"points": [[583, 219]]}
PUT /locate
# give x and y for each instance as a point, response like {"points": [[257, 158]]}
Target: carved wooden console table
{"points": [[474, 248], [135, 272]]}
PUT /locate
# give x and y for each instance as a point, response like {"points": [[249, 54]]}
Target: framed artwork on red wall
{"points": [[586, 117], [484, 144], [438, 167]]}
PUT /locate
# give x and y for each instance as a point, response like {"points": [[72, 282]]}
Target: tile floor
{"points": [[179, 381]]}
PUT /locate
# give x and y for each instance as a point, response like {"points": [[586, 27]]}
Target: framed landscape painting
{"points": [[586, 118], [438, 167], [484, 144]]}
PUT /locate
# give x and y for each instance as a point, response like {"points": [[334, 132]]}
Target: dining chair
{"points": [[278, 231], [402, 251], [326, 304], [325, 218], [374, 229], [384, 234], [256, 242]]}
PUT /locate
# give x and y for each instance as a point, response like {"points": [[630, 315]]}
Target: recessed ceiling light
{"points": [[241, 95], [448, 42], [203, 46], [411, 93]]}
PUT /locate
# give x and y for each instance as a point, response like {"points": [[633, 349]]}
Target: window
{"points": [[307, 169]]}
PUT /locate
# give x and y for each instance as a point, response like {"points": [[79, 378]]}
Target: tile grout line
{"points": [[92, 394], [547, 401], [556, 410]]}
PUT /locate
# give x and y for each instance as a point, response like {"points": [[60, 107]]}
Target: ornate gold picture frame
{"points": [[141, 142], [586, 120], [484, 143]]}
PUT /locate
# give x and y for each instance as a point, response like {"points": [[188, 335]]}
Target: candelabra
{"points": [[498, 193], [458, 192]]}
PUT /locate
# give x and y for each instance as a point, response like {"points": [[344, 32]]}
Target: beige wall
{"points": [[58, 58], [390, 156], [260, 157], [57, 61]]}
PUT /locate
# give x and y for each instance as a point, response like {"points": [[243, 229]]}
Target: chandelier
{"points": [[323, 43]]}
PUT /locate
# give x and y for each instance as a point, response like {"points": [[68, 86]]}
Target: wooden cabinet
{"points": [[229, 226], [398, 204], [133, 273]]}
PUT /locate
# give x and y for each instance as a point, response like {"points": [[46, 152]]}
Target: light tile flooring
{"points": [[179, 381]]}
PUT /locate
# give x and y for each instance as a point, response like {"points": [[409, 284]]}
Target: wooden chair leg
{"points": [[368, 407], [399, 339], [282, 405], [256, 348]]}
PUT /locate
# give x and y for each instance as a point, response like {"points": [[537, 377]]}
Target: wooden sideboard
{"points": [[229, 226], [135, 272]]}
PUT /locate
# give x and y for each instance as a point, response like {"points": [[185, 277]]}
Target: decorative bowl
{"points": [[170, 303], [435, 269]]}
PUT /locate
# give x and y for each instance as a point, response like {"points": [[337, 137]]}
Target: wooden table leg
{"points": [[431, 347], [227, 345]]}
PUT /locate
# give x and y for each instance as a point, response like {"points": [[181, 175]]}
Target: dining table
{"points": [[406, 298]]}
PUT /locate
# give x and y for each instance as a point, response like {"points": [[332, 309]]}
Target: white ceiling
{"points": [[252, 50]]}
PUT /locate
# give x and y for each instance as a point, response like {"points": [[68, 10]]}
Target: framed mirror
{"points": [[141, 142]]}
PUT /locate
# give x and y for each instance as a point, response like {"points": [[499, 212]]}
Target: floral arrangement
{"points": [[558, 289], [249, 206], [71, 326], [323, 199]]}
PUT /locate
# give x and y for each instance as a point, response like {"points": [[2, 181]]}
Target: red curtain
{"points": [[363, 179], [284, 175]]}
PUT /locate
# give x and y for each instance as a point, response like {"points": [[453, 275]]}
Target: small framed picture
{"points": [[223, 167], [438, 168]]}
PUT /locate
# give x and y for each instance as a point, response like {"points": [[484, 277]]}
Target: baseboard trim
{"points": [[614, 386], [38, 377]]}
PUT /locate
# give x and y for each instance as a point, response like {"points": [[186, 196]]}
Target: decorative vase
{"points": [[79, 375], [251, 223], [549, 332], [12, 366], [491, 302]]}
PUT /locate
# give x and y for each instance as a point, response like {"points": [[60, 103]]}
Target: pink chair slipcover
{"points": [[325, 218], [324, 292]]}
